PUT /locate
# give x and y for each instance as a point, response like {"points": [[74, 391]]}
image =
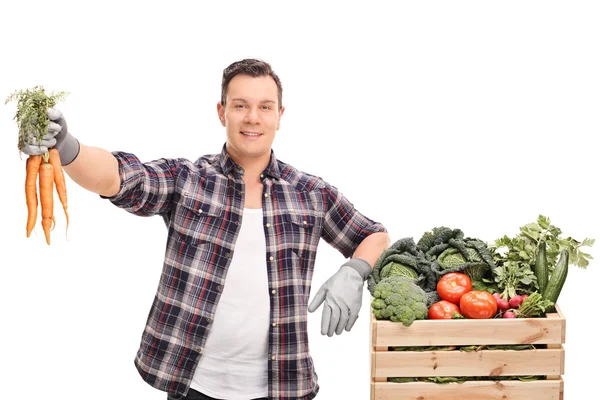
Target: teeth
{"points": [[251, 134]]}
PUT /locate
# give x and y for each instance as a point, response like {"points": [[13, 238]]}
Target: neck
{"points": [[253, 166], [252, 171]]}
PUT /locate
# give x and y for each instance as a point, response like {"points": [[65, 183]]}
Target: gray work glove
{"points": [[342, 294], [58, 136]]}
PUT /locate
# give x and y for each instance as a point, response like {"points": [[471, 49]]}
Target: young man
{"points": [[229, 319]]}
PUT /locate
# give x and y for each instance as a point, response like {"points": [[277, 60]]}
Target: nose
{"points": [[252, 116]]}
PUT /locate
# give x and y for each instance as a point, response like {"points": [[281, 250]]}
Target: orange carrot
{"points": [[46, 181], [59, 180], [32, 168]]}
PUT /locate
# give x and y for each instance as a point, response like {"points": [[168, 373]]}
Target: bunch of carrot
{"points": [[46, 171]]}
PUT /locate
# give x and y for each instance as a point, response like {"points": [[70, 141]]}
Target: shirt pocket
{"points": [[199, 219], [299, 232]]}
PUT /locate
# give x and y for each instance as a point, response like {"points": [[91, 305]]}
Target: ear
{"points": [[279, 118], [221, 113]]}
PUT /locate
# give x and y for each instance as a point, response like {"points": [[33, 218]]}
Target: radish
{"points": [[502, 304], [515, 301], [509, 314]]}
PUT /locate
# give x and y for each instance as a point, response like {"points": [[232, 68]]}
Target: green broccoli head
{"points": [[399, 299], [380, 309]]}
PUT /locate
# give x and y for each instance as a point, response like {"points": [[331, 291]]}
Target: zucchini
{"points": [[558, 278], [541, 267]]}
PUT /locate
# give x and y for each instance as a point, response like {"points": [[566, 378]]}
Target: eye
{"points": [[266, 107]]}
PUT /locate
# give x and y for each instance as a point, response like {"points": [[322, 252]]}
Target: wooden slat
{"points": [[472, 363], [473, 390], [550, 330]]}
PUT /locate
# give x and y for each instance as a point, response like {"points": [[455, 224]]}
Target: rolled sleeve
{"points": [[146, 188], [344, 227]]}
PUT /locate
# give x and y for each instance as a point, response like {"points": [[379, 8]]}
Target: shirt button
{"points": [[219, 288], [274, 324], [273, 358], [228, 255], [273, 291], [198, 349], [271, 258], [268, 225], [262, 175], [304, 222], [266, 195], [199, 211]]}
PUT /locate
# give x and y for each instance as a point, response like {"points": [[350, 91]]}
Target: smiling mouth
{"points": [[251, 134]]}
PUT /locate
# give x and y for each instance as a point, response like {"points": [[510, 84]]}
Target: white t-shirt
{"points": [[234, 362]]}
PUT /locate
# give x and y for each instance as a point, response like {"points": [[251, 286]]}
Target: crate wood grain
{"points": [[547, 361]]}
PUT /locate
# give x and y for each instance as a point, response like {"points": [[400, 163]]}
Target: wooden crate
{"points": [[547, 361]]}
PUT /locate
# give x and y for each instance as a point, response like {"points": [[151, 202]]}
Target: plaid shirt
{"points": [[202, 203]]}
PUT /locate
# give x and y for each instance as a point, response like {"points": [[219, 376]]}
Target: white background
{"points": [[473, 115]]}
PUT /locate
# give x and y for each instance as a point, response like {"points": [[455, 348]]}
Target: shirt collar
{"points": [[228, 165]]}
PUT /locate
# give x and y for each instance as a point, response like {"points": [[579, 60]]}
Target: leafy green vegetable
{"points": [[462, 379], [32, 115], [471, 256], [513, 279], [449, 251], [398, 269], [468, 348], [435, 241], [516, 256], [523, 246], [486, 284], [403, 258], [422, 348], [533, 306]]}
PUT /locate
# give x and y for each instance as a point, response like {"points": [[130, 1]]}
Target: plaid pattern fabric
{"points": [[202, 203]]}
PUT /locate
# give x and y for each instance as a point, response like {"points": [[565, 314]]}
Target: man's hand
{"points": [[58, 136], [342, 295], [33, 147]]}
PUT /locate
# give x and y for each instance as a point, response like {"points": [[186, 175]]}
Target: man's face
{"points": [[251, 117]]}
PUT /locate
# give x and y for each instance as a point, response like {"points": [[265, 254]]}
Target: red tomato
{"points": [[442, 310], [453, 285], [478, 304]]}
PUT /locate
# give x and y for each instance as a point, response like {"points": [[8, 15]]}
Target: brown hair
{"points": [[251, 67]]}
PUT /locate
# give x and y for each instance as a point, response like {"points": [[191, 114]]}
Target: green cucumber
{"points": [[558, 278], [541, 267]]}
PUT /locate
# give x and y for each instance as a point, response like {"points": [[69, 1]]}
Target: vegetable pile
{"points": [[43, 172], [458, 277]]}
